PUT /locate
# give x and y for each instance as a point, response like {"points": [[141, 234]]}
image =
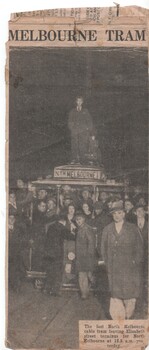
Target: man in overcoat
{"points": [[80, 126], [38, 236], [122, 252], [142, 224], [17, 243], [85, 254]]}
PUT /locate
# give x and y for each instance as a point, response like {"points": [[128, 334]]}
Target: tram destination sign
{"points": [[79, 173]]}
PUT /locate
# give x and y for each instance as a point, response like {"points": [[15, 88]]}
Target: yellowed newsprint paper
{"points": [[77, 179]]}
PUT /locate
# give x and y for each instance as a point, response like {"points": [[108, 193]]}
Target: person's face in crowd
{"points": [[98, 211], [71, 210], [66, 189], [11, 223], [126, 181], [31, 188], [109, 204], [140, 212], [79, 102], [85, 194], [80, 220], [85, 208], [103, 196], [12, 198], [11, 220], [128, 206], [126, 197], [142, 201], [67, 201], [137, 190], [42, 207], [51, 204], [118, 215], [42, 194], [20, 183]]}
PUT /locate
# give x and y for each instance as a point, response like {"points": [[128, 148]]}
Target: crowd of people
{"points": [[106, 228]]}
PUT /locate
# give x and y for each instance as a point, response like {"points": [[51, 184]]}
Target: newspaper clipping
{"points": [[77, 179]]}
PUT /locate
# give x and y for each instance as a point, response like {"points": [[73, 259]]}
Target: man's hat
{"points": [[12, 210], [62, 215], [80, 214], [67, 197], [129, 199], [86, 189], [116, 206], [98, 205], [51, 199], [139, 205]]}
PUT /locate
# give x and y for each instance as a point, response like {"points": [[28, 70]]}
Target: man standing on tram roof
{"points": [[80, 125]]}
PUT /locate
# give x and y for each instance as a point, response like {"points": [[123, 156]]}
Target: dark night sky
{"points": [[44, 83]]}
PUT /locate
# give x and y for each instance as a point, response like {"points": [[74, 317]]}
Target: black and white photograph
{"points": [[78, 191]]}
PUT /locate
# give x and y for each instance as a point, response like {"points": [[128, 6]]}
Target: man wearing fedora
{"points": [[122, 252], [142, 224]]}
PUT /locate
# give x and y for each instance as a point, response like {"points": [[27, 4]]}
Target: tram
{"points": [[76, 177]]}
